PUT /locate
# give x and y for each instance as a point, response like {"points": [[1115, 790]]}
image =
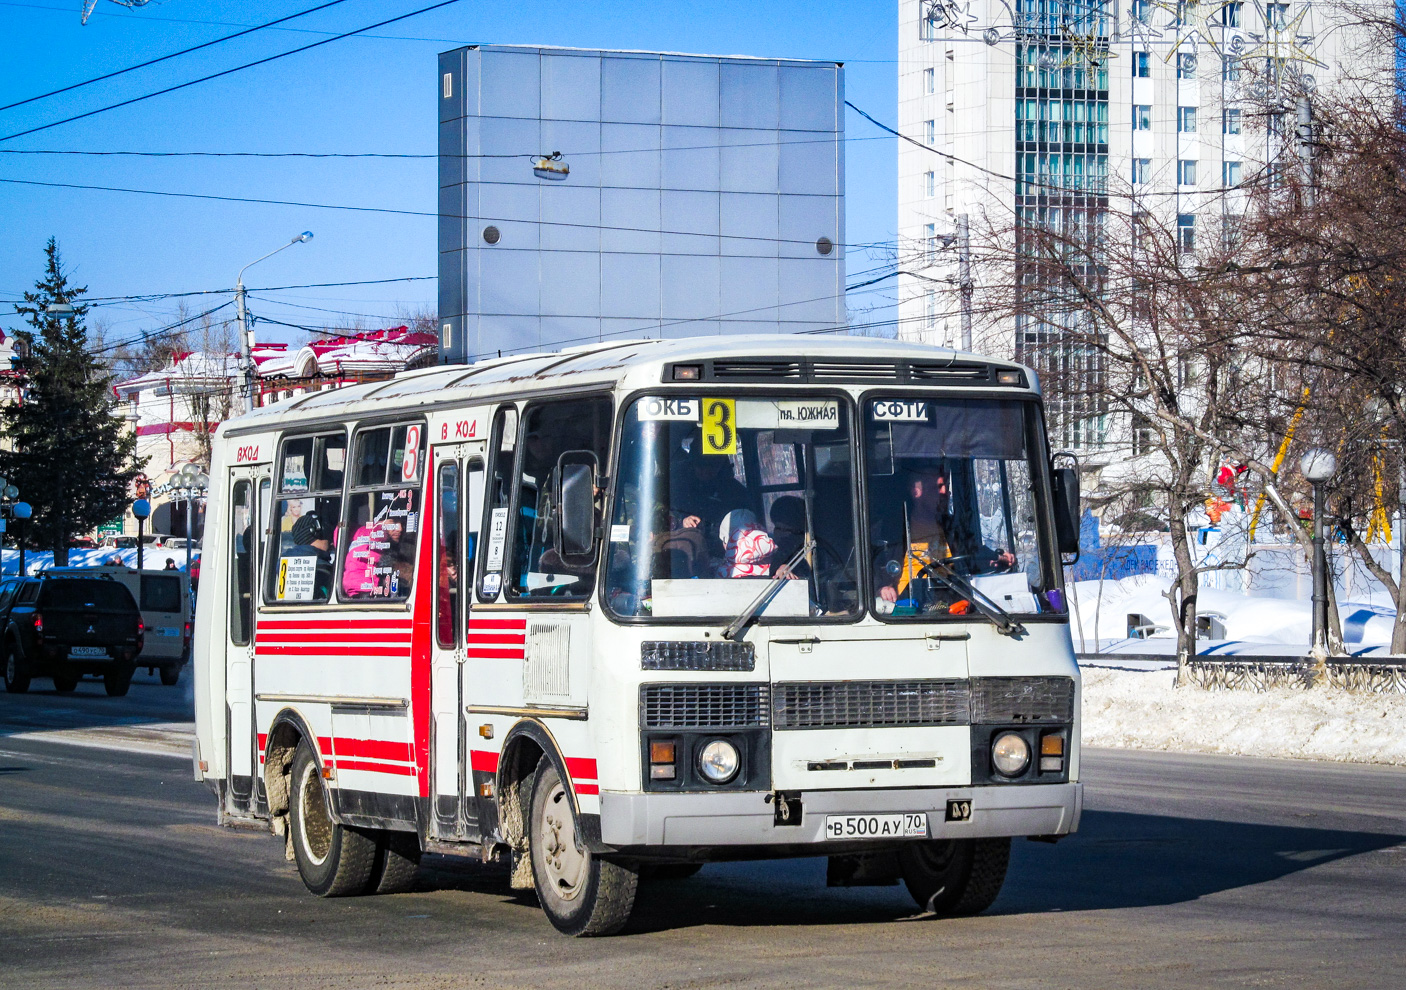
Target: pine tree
{"points": [[68, 452]]}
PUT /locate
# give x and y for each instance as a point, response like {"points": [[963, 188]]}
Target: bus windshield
{"points": [[956, 508], [716, 494]]}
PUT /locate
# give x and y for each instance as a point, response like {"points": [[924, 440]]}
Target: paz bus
{"points": [[624, 609]]}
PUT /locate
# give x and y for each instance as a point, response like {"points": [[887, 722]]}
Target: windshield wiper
{"points": [[734, 629], [1003, 620]]}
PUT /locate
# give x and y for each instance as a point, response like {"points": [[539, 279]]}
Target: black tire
{"points": [[16, 676], [116, 682], [580, 893], [333, 860], [955, 877], [397, 863], [668, 871], [170, 675], [64, 684]]}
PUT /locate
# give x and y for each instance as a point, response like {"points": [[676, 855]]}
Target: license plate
{"points": [[88, 651], [907, 825]]}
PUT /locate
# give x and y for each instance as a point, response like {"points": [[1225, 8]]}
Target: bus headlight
{"points": [[1010, 754], [719, 762]]}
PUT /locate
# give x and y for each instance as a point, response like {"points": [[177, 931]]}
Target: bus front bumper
{"points": [[749, 818]]}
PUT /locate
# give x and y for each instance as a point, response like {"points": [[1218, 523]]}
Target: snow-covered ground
{"points": [[1248, 625], [36, 560], [1139, 709]]}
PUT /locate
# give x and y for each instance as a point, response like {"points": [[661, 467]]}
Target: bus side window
{"points": [[382, 531], [241, 585], [551, 429], [306, 514], [500, 496], [448, 567]]}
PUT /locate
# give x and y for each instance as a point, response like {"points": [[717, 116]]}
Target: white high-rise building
{"points": [[1018, 111]]}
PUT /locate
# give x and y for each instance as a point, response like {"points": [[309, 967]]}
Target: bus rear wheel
{"points": [[333, 860], [581, 893], [955, 877]]}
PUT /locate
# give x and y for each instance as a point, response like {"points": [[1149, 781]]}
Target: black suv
{"points": [[65, 627]]}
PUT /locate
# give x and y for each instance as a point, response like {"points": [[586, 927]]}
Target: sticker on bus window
{"points": [[410, 464], [821, 414], [297, 577], [497, 537], [491, 585], [900, 411], [657, 408], [620, 533], [720, 426]]}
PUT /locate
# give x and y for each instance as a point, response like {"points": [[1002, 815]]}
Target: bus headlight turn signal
{"points": [[1010, 754]]}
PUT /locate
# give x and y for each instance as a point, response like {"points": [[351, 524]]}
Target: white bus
{"points": [[629, 608]]}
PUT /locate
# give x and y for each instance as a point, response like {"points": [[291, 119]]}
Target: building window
{"points": [[1276, 16], [929, 81], [1230, 70], [1186, 172], [1186, 232], [1186, 120], [1230, 174], [1142, 117], [1142, 11], [1274, 123], [1141, 434], [1186, 66], [929, 307], [1230, 122], [929, 184], [1229, 231], [1230, 15], [930, 242], [1142, 65], [930, 132], [1142, 169]]}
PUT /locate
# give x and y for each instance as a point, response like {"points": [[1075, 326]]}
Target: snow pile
{"points": [[1141, 710], [1250, 624]]}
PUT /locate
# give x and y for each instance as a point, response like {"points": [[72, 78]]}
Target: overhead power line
{"points": [[418, 213], [227, 72], [161, 331], [164, 58]]}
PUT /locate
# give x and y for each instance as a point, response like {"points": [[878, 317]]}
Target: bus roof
{"points": [[770, 359]]}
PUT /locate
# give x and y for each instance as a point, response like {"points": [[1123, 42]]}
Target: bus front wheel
{"points": [[333, 860], [581, 893], [955, 877]]}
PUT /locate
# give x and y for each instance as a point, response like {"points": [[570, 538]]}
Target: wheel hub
{"points": [[565, 861], [312, 812]]}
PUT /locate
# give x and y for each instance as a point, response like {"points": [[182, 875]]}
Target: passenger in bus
{"points": [[370, 558], [311, 538], [749, 546], [788, 529], [703, 489], [935, 534]]}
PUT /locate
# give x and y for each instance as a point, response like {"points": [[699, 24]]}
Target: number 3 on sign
{"points": [[719, 426]]}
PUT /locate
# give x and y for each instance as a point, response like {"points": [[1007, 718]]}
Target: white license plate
{"points": [[908, 825], [87, 651]]}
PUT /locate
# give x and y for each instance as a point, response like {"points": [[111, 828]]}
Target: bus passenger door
{"points": [[249, 494], [458, 502]]}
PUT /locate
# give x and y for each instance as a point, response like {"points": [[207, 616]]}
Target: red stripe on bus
{"points": [[320, 623], [496, 637], [329, 650], [587, 789], [374, 749], [402, 770], [492, 654], [477, 623], [353, 636], [581, 768], [483, 761]]}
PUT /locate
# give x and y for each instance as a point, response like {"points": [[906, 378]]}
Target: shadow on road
{"points": [[88, 706]]}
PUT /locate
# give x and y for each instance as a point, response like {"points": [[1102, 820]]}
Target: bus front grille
{"points": [[862, 704], [704, 706], [1022, 699]]}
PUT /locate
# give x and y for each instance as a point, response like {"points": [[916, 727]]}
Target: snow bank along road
{"points": [[1190, 871]]}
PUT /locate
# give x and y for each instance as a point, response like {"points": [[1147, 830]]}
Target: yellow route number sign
{"points": [[720, 426]]}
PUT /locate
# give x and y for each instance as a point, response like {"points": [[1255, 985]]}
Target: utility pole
{"points": [[1304, 133], [964, 277], [246, 354]]}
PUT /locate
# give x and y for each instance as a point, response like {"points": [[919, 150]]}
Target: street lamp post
{"points": [[246, 354], [141, 508], [11, 509], [1318, 467], [192, 483]]}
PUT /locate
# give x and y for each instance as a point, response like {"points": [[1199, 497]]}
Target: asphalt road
{"points": [[1189, 872]]}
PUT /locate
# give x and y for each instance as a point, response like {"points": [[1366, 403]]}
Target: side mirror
{"points": [[1065, 483], [575, 498]]}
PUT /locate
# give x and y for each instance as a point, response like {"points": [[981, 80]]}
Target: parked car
{"points": [[82, 543], [164, 598], [64, 627]]}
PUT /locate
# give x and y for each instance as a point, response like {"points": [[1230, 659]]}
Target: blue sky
{"points": [[365, 94]]}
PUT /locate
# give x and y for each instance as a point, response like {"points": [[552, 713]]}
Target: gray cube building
{"points": [[705, 195]]}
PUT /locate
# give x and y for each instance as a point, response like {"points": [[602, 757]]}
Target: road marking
{"points": [[152, 738]]}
